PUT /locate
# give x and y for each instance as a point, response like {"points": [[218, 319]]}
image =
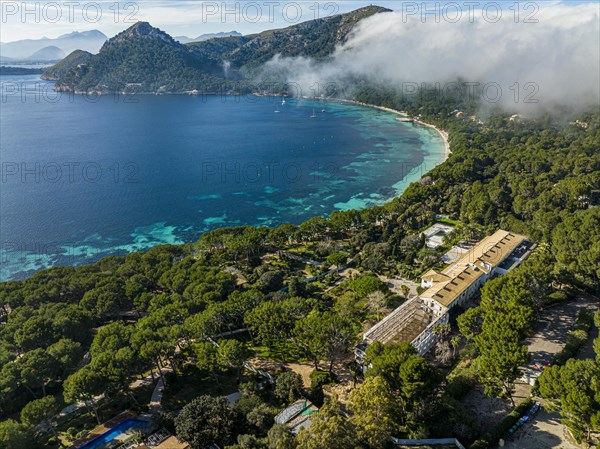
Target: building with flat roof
{"points": [[415, 319], [434, 235], [297, 416], [460, 280], [407, 323]]}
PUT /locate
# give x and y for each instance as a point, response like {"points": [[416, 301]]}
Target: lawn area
{"points": [[290, 350], [465, 368], [193, 383], [448, 221]]}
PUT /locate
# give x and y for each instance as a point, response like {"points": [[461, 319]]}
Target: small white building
{"points": [[434, 235]]}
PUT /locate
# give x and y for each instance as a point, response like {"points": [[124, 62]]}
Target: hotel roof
{"points": [[479, 260]]}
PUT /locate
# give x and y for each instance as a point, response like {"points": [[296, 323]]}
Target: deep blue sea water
{"points": [[82, 178]]}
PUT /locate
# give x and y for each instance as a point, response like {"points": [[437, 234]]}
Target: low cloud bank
{"points": [[555, 61]]}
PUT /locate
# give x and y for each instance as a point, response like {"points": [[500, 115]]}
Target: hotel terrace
{"points": [[415, 319]]}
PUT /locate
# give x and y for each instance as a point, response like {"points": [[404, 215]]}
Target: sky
{"points": [[52, 18]]}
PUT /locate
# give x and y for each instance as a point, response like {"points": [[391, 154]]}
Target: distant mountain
{"points": [[205, 37], [140, 59], [92, 34], [5, 60], [146, 59], [75, 59], [50, 53], [90, 41]]}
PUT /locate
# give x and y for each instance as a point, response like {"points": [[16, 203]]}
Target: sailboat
{"points": [[314, 114], [282, 101]]}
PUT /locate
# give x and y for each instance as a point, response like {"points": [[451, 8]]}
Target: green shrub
{"points": [[288, 387], [556, 296], [270, 281], [317, 380], [585, 320], [459, 386], [576, 338], [366, 285], [468, 351]]}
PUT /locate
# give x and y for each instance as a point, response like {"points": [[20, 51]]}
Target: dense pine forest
{"points": [[88, 333]]}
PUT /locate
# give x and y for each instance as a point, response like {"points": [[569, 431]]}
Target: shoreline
{"points": [[399, 187], [443, 134]]}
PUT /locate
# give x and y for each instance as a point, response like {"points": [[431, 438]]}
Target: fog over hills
{"points": [[512, 59], [149, 60], [397, 50]]}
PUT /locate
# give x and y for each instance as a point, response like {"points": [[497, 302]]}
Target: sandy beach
{"points": [[441, 132]]}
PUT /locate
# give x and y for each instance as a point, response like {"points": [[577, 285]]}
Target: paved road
{"points": [[546, 431], [551, 334]]}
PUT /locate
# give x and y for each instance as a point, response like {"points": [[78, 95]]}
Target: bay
{"points": [[86, 177]]}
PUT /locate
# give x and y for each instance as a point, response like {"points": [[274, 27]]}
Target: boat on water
{"points": [[314, 114], [276, 110], [282, 101]]}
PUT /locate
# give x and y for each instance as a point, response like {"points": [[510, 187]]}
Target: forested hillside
{"points": [[69, 63], [144, 59], [87, 333]]}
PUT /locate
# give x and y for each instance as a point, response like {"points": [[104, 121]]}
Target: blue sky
{"points": [[35, 19]]}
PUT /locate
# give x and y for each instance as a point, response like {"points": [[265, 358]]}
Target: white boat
{"points": [[314, 114], [282, 101]]}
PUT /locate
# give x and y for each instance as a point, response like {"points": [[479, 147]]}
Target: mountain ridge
{"points": [[154, 62], [207, 36], [49, 53]]}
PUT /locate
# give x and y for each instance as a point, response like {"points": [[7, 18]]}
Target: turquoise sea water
{"points": [[83, 178]]}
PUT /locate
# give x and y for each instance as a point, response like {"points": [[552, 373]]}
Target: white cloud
{"points": [[177, 17], [560, 54]]}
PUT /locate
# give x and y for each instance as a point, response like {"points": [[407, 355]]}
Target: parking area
{"points": [[550, 337], [546, 430], [543, 432]]}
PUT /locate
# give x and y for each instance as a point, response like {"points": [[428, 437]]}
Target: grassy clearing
{"points": [[193, 383], [290, 351], [448, 221]]}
